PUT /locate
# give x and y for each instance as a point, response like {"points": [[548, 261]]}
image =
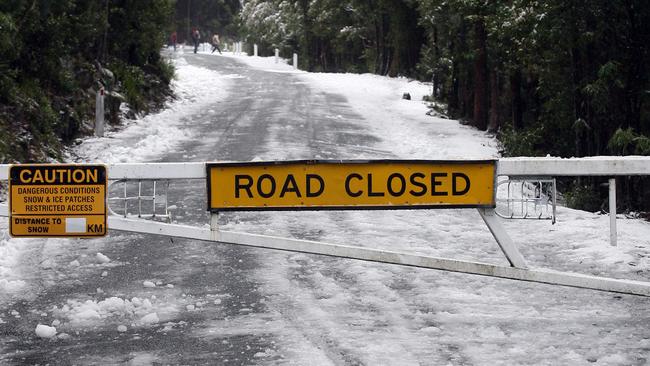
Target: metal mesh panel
{"points": [[527, 199], [140, 198]]}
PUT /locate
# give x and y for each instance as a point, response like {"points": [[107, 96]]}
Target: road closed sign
{"points": [[382, 184], [57, 200]]}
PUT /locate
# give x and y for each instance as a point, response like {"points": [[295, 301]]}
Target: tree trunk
{"points": [[517, 101], [436, 56], [480, 77], [494, 101]]}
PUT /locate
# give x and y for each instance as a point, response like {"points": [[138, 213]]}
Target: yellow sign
{"points": [[386, 184], [57, 200]]}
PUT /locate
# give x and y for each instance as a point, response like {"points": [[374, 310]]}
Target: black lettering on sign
{"points": [[58, 175], [290, 186], [260, 186], [435, 183], [454, 184], [422, 186], [38, 229], [95, 228], [239, 184], [370, 192], [347, 185], [321, 185], [402, 182]]}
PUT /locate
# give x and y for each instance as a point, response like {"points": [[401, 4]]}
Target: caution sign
{"points": [[383, 184], [57, 200]]}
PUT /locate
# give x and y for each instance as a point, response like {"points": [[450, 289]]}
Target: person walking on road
{"points": [[196, 37], [215, 43], [173, 40]]}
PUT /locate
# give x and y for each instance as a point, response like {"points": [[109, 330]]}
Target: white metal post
{"points": [[255, 50], [295, 61], [99, 113], [612, 211], [214, 226], [277, 55]]}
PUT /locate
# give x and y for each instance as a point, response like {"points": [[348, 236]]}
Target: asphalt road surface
{"points": [[263, 108]]}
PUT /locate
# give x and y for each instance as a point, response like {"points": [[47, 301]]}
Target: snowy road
{"points": [[152, 300]]}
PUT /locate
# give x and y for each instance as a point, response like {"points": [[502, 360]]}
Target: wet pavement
{"points": [[263, 110]]}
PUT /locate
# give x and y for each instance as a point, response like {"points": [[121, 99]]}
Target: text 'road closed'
{"points": [[350, 185]]}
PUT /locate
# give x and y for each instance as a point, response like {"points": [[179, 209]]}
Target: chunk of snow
{"points": [[44, 331], [121, 328], [148, 284], [190, 307], [74, 263], [102, 258], [150, 319], [104, 274]]}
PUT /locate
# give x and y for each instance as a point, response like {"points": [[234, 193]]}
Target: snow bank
{"points": [[146, 138], [10, 252]]}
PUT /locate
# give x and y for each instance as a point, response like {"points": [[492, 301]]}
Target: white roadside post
{"points": [[277, 55], [99, 113], [612, 211], [295, 61], [255, 50]]}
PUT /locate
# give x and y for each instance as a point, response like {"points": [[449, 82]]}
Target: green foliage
{"points": [[380, 36], [583, 197], [50, 57], [209, 16], [132, 80], [626, 142], [521, 143]]}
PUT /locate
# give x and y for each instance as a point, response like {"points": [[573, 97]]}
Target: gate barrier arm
{"points": [[517, 167]]}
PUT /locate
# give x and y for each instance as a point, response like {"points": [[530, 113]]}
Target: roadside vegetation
{"points": [[55, 55], [551, 77]]}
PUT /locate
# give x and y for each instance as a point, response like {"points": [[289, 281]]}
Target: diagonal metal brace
{"points": [[506, 244]]}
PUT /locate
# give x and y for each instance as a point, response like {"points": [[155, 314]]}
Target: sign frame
{"points": [[209, 166], [102, 177]]}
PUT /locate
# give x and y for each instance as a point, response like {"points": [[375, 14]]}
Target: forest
{"points": [[548, 77], [56, 54]]}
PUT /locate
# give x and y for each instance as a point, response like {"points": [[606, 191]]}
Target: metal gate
{"points": [[144, 185]]}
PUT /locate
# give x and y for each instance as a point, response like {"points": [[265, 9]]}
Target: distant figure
{"points": [[215, 43], [173, 39], [196, 37]]}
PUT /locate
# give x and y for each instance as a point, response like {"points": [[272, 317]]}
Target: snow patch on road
{"points": [[75, 314]]}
